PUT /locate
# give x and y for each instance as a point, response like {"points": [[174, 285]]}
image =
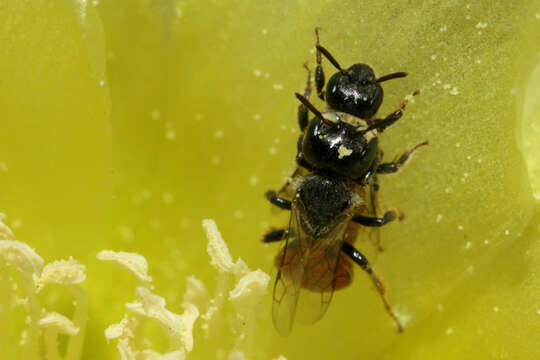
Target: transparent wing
{"points": [[325, 269], [288, 278], [307, 274]]}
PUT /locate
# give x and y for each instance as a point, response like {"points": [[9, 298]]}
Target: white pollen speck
{"points": [[486, 242], [167, 198], [272, 150], [458, 144], [506, 232], [126, 233], [155, 114], [479, 33], [538, 15], [454, 91], [496, 309], [477, 61], [468, 17], [449, 331], [448, 190], [266, 75], [277, 140], [253, 180], [465, 174], [513, 91], [102, 83], [439, 218], [170, 135], [215, 160], [443, 28], [433, 57], [219, 134], [479, 161], [238, 214], [264, 31], [17, 223], [468, 245], [3, 167], [446, 86], [257, 72], [440, 307], [536, 195], [481, 25], [460, 227], [343, 152], [538, 312], [277, 86], [257, 117]]}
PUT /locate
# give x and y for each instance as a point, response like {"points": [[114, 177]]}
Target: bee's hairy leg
{"points": [[363, 262]]}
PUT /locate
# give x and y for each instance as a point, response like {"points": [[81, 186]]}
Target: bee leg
{"points": [[375, 221], [319, 72], [382, 124], [366, 178], [277, 200], [303, 118], [275, 235], [392, 167], [363, 262]]}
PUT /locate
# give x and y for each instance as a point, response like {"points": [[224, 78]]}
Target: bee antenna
{"points": [[330, 58], [391, 76], [309, 105]]}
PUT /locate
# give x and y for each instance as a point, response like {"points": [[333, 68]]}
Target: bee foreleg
{"points": [[363, 262], [319, 72], [277, 200], [303, 118], [392, 167]]}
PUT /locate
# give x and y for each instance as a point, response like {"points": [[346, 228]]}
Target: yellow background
{"points": [[124, 123]]}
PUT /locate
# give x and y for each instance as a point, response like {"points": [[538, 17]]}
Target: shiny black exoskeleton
{"points": [[333, 191], [338, 147], [343, 138], [355, 91]]}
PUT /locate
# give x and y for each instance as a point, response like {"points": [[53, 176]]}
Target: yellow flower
{"points": [[125, 123]]}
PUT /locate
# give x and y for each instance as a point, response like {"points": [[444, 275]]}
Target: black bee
{"points": [[332, 194]]}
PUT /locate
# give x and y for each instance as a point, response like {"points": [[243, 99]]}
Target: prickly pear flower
{"points": [[126, 123]]}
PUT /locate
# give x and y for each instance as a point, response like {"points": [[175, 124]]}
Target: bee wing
{"points": [[305, 280], [289, 277], [320, 275]]}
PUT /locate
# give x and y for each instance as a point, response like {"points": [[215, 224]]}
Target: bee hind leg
{"points": [[275, 235], [363, 262], [376, 221]]}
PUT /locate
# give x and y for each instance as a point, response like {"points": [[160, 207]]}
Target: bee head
{"points": [[355, 91]]}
